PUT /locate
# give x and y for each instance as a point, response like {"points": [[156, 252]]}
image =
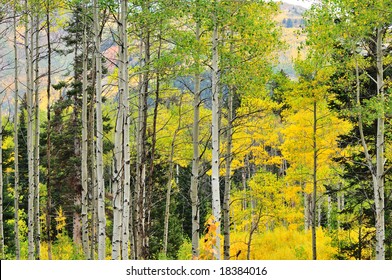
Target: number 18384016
{"points": [[238, 270]]}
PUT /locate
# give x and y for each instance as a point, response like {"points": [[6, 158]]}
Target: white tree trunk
{"points": [[37, 226], [378, 179], [196, 156], [16, 140], [99, 137], [84, 163], [126, 127], [216, 207], [30, 145], [117, 175], [377, 171]]}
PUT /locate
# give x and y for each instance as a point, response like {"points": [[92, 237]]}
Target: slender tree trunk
{"points": [[16, 141], [314, 194], [140, 189], [307, 210], [254, 227], [84, 163], [117, 176], [169, 186], [226, 199], [378, 170], [48, 140], [378, 180], [216, 207], [329, 218], [37, 224], [168, 196], [196, 154], [126, 116], [152, 152], [99, 141], [93, 167], [30, 146]]}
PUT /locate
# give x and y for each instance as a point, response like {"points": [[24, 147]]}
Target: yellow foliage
{"points": [[60, 221], [282, 244], [208, 243]]}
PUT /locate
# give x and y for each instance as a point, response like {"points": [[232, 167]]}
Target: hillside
{"points": [[291, 20]]}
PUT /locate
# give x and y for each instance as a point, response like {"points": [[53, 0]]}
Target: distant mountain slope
{"points": [[291, 20]]}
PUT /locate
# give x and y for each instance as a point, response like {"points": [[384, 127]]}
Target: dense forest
{"points": [[167, 129]]}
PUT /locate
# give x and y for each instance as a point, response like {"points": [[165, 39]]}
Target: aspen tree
{"points": [[84, 163], [16, 138], [141, 156], [37, 227], [126, 127], [99, 137], [196, 153], [216, 208], [117, 180], [169, 184], [30, 145]]}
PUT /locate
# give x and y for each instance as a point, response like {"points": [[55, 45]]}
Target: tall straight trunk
{"points": [[139, 161], [126, 127], [93, 172], [314, 194], [329, 212], [30, 145], [307, 210], [169, 186], [48, 140], [99, 137], [37, 226], [117, 176], [1, 186], [216, 207], [140, 189], [168, 196], [152, 152], [196, 154], [16, 140], [226, 199], [84, 163], [377, 171], [93, 167], [378, 184]]}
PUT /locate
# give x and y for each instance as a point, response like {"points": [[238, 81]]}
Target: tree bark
{"points": [[84, 163], [93, 167], [378, 178], [48, 140], [377, 171], [117, 176], [16, 140], [216, 207], [140, 188], [30, 145], [196, 153], [169, 186], [226, 199], [99, 138], [126, 127], [314, 194], [37, 226]]}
